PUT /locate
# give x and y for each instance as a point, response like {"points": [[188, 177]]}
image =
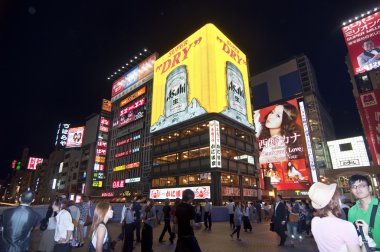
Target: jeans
{"points": [[138, 230], [237, 231], [207, 220], [147, 238], [292, 231]]}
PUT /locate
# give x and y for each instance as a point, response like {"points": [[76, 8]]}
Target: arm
{"points": [[100, 236], [175, 221]]}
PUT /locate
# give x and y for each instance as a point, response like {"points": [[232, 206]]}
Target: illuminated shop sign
{"points": [[134, 78], [128, 140], [348, 153], [283, 155], [133, 106], [133, 96], [100, 159], [201, 192], [106, 105], [184, 88], [118, 184], [97, 183], [131, 117], [215, 148], [127, 152], [107, 194], [99, 175], [128, 166], [61, 138], [230, 191], [75, 137], [33, 162], [249, 192], [98, 167], [132, 180]]}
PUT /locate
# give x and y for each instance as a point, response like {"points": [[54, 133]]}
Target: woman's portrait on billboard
{"points": [[271, 171], [280, 136], [293, 173]]}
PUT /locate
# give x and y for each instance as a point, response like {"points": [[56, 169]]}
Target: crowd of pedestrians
{"points": [[330, 218]]}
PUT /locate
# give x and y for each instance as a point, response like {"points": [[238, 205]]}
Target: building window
{"points": [[249, 181], [229, 179], [164, 182], [195, 179]]}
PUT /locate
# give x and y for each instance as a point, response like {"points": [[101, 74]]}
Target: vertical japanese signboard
{"points": [[215, 148], [62, 132], [369, 109], [101, 151]]}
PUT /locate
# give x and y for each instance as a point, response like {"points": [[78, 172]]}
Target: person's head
{"points": [[279, 198], [102, 213], [27, 197], [230, 200], [368, 45], [59, 204], [70, 203], [167, 201], [271, 166], [207, 200], [325, 199], [283, 118], [237, 203], [360, 186], [177, 201], [188, 195]]}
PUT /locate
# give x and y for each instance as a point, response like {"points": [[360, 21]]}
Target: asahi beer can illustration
{"points": [[235, 89], [176, 91]]}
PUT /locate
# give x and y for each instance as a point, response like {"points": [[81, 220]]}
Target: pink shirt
{"points": [[333, 234]]}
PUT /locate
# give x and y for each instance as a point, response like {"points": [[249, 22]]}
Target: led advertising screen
{"points": [[33, 162], [201, 192], [282, 146], [75, 137], [369, 110], [206, 73], [348, 153], [363, 42], [106, 105], [134, 78]]}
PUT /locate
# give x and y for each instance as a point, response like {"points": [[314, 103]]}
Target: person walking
{"points": [[166, 210], [207, 215], [128, 224], [198, 213], [231, 210], [258, 211], [75, 215], [47, 237], [279, 220], [184, 220], [174, 207], [293, 210], [100, 238], [246, 221], [18, 224], [136, 208], [237, 219], [84, 212], [148, 219], [64, 227]]}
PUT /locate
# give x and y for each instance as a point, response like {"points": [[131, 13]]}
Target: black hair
{"points": [[280, 196], [60, 203], [27, 197], [358, 177], [187, 195]]}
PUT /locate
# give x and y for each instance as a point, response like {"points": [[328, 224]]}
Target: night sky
{"points": [[55, 56]]}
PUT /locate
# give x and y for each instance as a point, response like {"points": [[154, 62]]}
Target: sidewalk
{"points": [[217, 240]]}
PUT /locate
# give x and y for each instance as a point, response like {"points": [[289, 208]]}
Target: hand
{"points": [[363, 224], [283, 222], [377, 56], [63, 241]]}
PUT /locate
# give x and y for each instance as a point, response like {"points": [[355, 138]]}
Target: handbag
{"points": [[88, 221], [271, 226], [294, 217], [44, 224]]}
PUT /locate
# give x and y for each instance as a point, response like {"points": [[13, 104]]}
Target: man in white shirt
{"points": [[207, 216], [128, 222], [64, 227]]}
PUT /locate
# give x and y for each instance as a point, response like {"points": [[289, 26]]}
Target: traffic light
{"points": [[14, 164], [18, 165]]}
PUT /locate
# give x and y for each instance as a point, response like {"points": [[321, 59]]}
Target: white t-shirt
{"points": [[64, 224]]}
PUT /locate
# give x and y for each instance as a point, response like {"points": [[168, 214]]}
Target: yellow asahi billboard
{"points": [[206, 73]]}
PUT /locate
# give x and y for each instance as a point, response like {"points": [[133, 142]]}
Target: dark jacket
{"points": [[18, 224], [279, 215]]}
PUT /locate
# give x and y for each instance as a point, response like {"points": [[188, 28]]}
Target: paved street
{"points": [[217, 240]]}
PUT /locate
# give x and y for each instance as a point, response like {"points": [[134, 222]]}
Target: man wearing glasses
{"points": [[362, 190]]}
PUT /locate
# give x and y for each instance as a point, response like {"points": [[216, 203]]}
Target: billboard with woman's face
{"points": [[282, 147]]}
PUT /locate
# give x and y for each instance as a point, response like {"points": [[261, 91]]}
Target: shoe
{"points": [[281, 245], [238, 239]]}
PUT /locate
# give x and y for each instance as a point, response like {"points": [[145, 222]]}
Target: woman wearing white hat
{"points": [[331, 233]]}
